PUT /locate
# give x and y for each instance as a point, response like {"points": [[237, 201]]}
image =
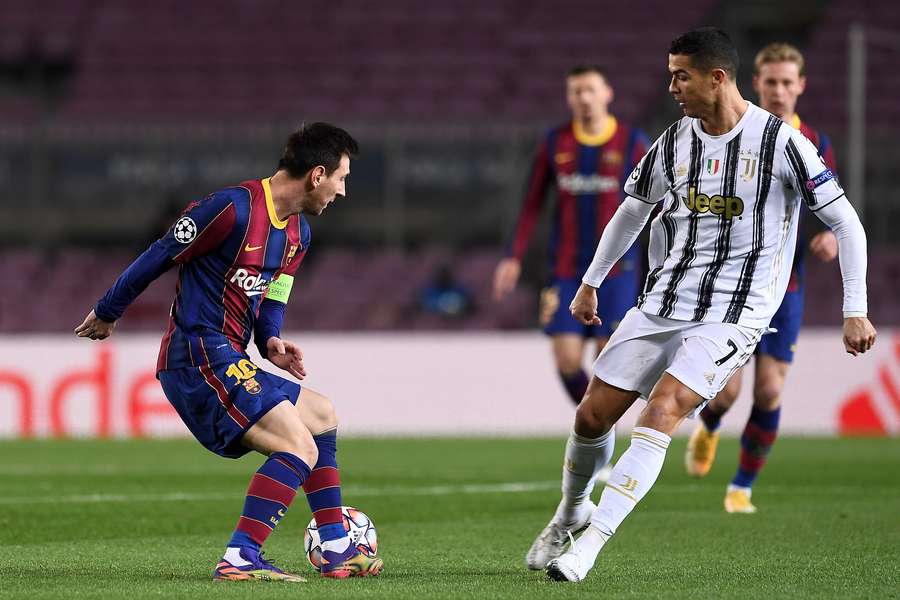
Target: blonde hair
{"points": [[778, 52]]}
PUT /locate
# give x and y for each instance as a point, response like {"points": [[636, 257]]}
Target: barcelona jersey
{"points": [[826, 151], [229, 248], [588, 172]]}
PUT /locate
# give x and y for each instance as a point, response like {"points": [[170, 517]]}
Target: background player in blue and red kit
{"points": [[779, 81], [587, 160], [237, 252]]}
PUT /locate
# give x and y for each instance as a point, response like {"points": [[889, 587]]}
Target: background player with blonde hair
{"points": [[779, 81]]}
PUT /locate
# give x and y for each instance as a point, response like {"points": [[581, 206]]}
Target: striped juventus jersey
{"points": [[722, 243]]}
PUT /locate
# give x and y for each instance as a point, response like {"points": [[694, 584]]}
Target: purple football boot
{"points": [[242, 564]]}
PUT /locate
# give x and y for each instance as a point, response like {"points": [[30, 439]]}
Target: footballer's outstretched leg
{"points": [[631, 478], [588, 452]]}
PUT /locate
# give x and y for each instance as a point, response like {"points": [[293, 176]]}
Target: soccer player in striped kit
{"points": [[730, 179], [237, 251], [779, 81], [587, 160]]}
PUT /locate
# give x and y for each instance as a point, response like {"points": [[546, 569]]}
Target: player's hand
{"points": [[286, 355], [859, 335], [584, 305], [824, 246], [506, 276], [94, 327]]}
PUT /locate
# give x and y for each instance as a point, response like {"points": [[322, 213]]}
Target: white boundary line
{"points": [[352, 492]]}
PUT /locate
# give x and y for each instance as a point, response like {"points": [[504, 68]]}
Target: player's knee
{"points": [[328, 415], [324, 414], [305, 448], [767, 394], [590, 421]]}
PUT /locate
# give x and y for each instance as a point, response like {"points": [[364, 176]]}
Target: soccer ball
{"points": [[185, 230], [359, 527]]}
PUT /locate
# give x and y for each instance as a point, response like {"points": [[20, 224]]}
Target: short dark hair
{"points": [[316, 144], [709, 48], [583, 68]]}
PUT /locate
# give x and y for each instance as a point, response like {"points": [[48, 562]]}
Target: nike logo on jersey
{"points": [[249, 248]]}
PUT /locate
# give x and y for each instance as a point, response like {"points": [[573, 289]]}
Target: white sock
{"points": [[590, 543], [338, 545], [746, 490], [631, 479], [585, 457], [233, 555]]}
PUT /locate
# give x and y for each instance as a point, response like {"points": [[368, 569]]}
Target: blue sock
{"points": [[576, 384], [271, 491], [711, 418], [323, 489], [756, 441]]}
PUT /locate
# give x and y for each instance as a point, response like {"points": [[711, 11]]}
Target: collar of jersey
{"points": [[598, 139], [795, 122], [270, 206], [715, 140]]}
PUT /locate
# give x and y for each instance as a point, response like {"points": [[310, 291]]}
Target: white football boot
{"points": [[552, 540], [568, 567], [575, 563]]}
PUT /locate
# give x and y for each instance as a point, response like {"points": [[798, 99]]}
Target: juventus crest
{"points": [[748, 161]]}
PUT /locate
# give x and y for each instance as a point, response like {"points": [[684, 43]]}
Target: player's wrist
{"points": [[103, 315]]}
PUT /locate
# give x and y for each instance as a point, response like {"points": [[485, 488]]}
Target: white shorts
{"points": [[702, 356]]}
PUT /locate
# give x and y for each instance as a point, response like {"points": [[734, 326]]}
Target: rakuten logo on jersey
{"points": [[576, 183], [253, 285]]}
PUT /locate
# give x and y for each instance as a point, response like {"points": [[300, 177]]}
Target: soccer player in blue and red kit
{"points": [[779, 81], [587, 159], [237, 251]]}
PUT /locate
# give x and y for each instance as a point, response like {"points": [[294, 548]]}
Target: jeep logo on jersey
{"points": [[727, 206], [576, 183], [253, 285]]}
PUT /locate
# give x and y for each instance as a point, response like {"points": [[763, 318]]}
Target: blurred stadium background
{"points": [[113, 115]]}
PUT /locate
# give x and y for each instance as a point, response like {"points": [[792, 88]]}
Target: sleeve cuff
{"points": [[104, 315], [848, 314]]}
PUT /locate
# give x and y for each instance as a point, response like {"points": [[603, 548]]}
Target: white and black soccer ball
{"points": [[185, 230], [359, 527]]}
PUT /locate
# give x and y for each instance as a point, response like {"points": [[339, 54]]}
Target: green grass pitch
{"points": [[140, 519]]}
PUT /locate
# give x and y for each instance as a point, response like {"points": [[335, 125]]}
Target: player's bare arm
{"points": [[286, 355], [506, 276], [95, 328], [824, 246]]}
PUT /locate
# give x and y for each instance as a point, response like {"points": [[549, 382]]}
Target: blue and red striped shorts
{"points": [[220, 402]]}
